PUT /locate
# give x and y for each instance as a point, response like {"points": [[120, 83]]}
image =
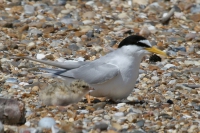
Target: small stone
{"points": [[88, 15], [144, 31], [181, 87], [29, 10], [116, 126], [101, 125], [176, 49], [67, 21], [23, 73], [123, 15], [155, 78], [118, 115], [195, 9], [141, 2], [107, 117], [46, 122], [134, 110], [119, 105], [166, 116], [31, 46], [82, 111], [190, 36], [155, 58], [140, 123], [28, 124], [167, 66], [35, 88], [87, 22], [73, 47], [40, 56], [35, 32], [132, 117], [1, 128], [71, 119], [11, 80], [99, 105], [61, 2], [2, 47], [56, 43], [195, 17], [119, 22]]}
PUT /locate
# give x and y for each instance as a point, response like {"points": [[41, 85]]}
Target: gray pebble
{"points": [[195, 9], [73, 47], [90, 34], [82, 111], [35, 32], [1, 128], [11, 80], [61, 2], [29, 9], [101, 125], [55, 43], [67, 20], [99, 105], [2, 47], [140, 123]]}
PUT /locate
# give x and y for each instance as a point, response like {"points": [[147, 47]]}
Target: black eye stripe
{"points": [[133, 40]]}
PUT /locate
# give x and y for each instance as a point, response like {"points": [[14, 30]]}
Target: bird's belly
{"points": [[116, 88]]}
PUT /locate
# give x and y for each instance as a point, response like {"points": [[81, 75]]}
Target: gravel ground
{"points": [[166, 96]]}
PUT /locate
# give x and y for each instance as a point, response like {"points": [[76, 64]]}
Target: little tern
{"points": [[112, 76]]}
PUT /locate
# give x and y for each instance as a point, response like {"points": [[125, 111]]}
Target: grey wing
{"points": [[93, 74]]}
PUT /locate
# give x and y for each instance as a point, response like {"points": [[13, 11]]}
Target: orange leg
{"points": [[88, 97]]}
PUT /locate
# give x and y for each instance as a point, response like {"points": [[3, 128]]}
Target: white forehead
{"points": [[146, 42]]}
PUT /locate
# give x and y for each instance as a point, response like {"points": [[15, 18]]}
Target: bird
{"points": [[113, 75], [61, 93]]}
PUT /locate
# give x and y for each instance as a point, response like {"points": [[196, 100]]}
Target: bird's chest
{"points": [[130, 73]]}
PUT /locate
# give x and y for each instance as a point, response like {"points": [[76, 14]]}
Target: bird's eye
{"points": [[84, 86]]}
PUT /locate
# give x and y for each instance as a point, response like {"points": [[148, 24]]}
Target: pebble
{"points": [[73, 47], [195, 9], [29, 9], [99, 105], [1, 128], [56, 43], [35, 88], [140, 123], [167, 66], [190, 36], [11, 80], [102, 126], [40, 56], [88, 15], [107, 117], [2, 47], [118, 115], [46, 122], [83, 111], [35, 32]]}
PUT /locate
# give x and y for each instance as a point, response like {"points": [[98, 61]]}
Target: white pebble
{"points": [[167, 66], [40, 56], [28, 124], [46, 122]]}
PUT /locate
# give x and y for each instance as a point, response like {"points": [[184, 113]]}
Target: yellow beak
{"points": [[156, 51]]}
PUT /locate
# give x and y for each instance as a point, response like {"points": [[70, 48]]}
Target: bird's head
{"points": [[140, 45], [79, 86]]}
